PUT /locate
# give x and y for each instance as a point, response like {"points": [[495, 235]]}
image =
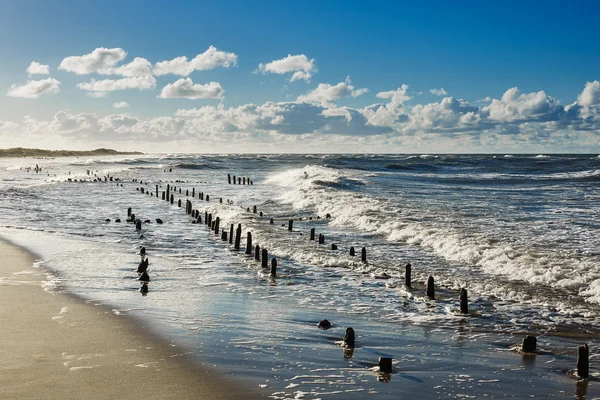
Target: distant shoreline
{"points": [[25, 152]]}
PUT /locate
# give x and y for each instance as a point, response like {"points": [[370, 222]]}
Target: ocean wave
{"points": [[196, 166]]}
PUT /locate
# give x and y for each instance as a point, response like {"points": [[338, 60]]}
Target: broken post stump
{"points": [[265, 258], [363, 255], [385, 365], [129, 212], [229, 179], [217, 222], [231, 234], [249, 243], [321, 238], [408, 275], [583, 362], [257, 253], [290, 224], [238, 237], [274, 267], [349, 338], [529, 344], [224, 235], [352, 252], [312, 234], [464, 301], [430, 288], [333, 246]]}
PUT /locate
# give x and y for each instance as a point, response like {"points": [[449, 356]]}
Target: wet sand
{"points": [[56, 346]]}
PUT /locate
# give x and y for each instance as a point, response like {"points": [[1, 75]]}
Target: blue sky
{"points": [[353, 59]]}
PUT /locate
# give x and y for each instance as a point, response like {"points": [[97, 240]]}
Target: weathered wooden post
{"points": [[156, 190], [430, 288], [187, 192], [221, 200], [179, 203], [254, 209], [352, 253], [193, 192], [385, 365], [529, 344], [206, 217], [274, 267], [252, 183], [217, 222], [190, 207], [201, 195], [229, 179], [238, 237], [168, 192], [349, 338], [212, 226], [312, 233], [363, 255], [180, 190], [265, 258], [172, 199], [321, 238], [239, 181], [583, 362], [257, 253], [464, 301], [333, 246], [408, 275], [129, 212], [234, 181], [231, 234], [249, 243], [290, 224], [209, 221], [244, 181], [207, 198], [163, 195], [271, 221], [138, 225], [224, 235]]}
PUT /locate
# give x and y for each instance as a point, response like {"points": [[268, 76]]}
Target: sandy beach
{"points": [[55, 346]]}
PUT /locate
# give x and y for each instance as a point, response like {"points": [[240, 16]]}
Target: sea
{"points": [[519, 232]]}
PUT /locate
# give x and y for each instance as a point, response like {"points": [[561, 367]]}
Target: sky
{"points": [[301, 77]]}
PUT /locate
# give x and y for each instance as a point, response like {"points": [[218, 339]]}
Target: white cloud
{"points": [[138, 67], [36, 68], [96, 95], [100, 61], [590, 95], [391, 113], [438, 92], [110, 85], [300, 65], [120, 104], [34, 89], [326, 94], [210, 59], [514, 107], [187, 89]]}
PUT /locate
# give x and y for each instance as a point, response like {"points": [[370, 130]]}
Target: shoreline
{"points": [[57, 345]]}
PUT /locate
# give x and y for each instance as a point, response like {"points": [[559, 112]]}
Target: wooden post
{"points": [[209, 222], [238, 237], [265, 258], [190, 207], [464, 301], [321, 238], [221, 200], [207, 198], [239, 181], [172, 199], [529, 344], [193, 192], [385, 365], [163, 195], [363, 255], [271, 221], [206, 217], [180, 190], [408, 275], [290, 224], [179, 203], [254, 210], [349, 337], [129, 212], [352, 253], [234, 181], [274, 267], [231, 234], [257, 253], [229, 179], [187, 192], [244, 181], [142, 190], [430, 288], [333, 246], [217, 221], [249, 243], [138, 225], [224, 235], [583, 362], [312, 233], [156, 190], [168, 192]]}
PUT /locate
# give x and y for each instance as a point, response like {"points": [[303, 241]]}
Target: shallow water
{"points": [[519, 232]]}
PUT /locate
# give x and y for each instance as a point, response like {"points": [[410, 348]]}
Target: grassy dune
{"points": [[23, 152]]}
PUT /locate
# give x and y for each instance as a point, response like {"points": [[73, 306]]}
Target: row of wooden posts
{"points": [[385, 364], [239, 180]]}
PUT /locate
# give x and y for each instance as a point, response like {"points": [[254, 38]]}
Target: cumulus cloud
{"points": [[36, 68], [100, 61], [326, 94], [187, 89], [590, 95], [517, 107], [120, 104], [138, 67], [34, 89], [449, 114], [391, 113], [300, 65], [96, 95], [210, 59], [438, 92], [111, 85]]}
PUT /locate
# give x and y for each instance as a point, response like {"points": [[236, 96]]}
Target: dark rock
{"points": [[324, 324]]}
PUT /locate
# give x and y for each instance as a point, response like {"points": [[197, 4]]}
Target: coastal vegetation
{"points": [[26, 152]]}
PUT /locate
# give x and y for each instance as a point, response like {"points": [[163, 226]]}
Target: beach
{"points": [[57, 346]]}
